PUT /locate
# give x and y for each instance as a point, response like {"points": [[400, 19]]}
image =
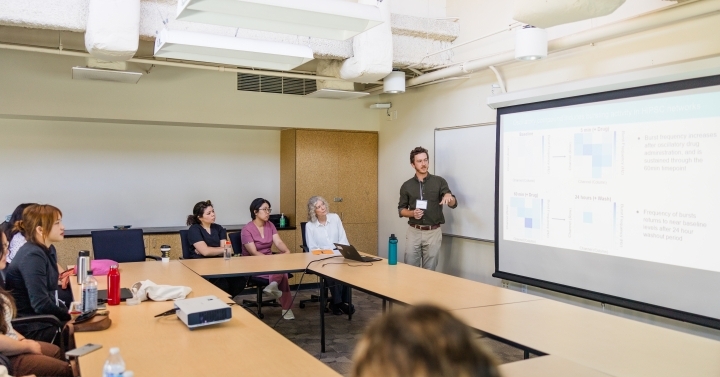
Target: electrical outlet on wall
{"points": [[392, 115], [505, 284], [523, 288]]}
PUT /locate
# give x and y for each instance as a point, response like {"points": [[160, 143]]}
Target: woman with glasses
{"points": [[258, 236]]}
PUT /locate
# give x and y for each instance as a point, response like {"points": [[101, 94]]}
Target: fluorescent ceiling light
{"points": [[329, 19], [336, 94], [184, 45]]}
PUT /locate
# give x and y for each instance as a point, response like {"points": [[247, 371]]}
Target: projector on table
{"points": [[202, 311]]}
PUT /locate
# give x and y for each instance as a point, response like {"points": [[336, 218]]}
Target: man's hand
{"points": [[418, 214], [447, 199]]}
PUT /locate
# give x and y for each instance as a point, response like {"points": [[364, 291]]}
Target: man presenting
{"points": [[421, 200]]}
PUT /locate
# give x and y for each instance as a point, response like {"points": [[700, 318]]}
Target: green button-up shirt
{"points": [[433, 188]]}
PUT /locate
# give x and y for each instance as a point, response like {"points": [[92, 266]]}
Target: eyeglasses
{"points": [[268, 210]]}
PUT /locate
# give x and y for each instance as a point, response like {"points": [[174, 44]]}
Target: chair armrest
{"points": [[153, 257], [40, 318]]}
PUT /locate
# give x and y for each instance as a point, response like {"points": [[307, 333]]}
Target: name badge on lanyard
{"points": [[420, 203]]}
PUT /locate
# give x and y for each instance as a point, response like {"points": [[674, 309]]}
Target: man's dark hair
{"points": [[416, 152]]}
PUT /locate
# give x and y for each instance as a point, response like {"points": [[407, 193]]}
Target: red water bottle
{"points": [[113, 286]]}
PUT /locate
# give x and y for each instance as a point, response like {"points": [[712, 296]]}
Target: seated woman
{"points": [[322, 231], [421, 341], [257, 238], [33, 276], [206, 237], [26, 356]]}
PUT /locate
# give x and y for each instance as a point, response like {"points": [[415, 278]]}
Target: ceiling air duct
{"points": [[544, 14], [113, 29]]}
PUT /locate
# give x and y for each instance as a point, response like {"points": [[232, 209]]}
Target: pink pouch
{"points": [[100, 266]]}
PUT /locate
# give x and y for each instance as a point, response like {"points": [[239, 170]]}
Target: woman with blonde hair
{"points": [[322, 231], [421, 341]]}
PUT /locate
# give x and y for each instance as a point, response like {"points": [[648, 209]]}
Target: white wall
{"points": [[102, 174], [40, 85], [462, 102]]}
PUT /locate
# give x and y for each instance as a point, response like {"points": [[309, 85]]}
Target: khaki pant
{"points": [[422, 247]]}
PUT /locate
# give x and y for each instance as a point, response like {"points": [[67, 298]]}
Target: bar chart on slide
{"points": [[525, 218], [594, 154]]}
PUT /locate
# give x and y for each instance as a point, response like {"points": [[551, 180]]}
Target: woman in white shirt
{"points": [[322, 231]]}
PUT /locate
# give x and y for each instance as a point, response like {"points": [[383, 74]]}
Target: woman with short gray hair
{"points": [[322, 231]]}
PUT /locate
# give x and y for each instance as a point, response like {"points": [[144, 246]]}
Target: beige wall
{"points": [[462, 102], [40, 85]]}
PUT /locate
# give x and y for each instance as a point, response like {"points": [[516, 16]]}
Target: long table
{"points": [[611, 344], [166, 347], [411, 285], [251, 265], [581, 342], [548, 366]]}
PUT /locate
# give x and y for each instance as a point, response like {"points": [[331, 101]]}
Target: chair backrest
{"points": [[236, 243], [119, 245], [187, 249], [304, 244]]}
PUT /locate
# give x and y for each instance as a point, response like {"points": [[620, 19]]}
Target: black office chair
{"points": [[120, 245], [253, 282], [187, 249], [313, 298]]}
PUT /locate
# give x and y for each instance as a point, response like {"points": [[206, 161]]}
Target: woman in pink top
{"points": [[257, 238]]}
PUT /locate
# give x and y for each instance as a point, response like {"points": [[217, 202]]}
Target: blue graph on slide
{"points": [[527, 217], [599, 148]]}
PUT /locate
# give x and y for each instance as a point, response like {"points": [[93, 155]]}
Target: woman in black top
{"points": [[33, 276], [208, 239], [204, 235]]}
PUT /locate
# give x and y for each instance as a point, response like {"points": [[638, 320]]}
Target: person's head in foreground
{"points": [[421, 341]]}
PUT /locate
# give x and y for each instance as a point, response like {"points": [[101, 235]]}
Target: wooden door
{"points": [[358, 177]]}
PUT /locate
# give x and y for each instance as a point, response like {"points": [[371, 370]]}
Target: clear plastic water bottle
{"points": [[227, 254], [392, 250], [114, 365], [89, 293]]}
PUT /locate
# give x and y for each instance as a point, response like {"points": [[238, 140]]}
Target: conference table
{"points": [[547, 366], [608, 343], [577, 341], [164, 346], [252, 265], [411, 285]]}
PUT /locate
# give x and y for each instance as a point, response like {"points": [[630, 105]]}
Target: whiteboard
{"points": [[465, 157], [101, 175]]}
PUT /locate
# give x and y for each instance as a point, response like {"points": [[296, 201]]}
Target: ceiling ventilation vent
{"points": [[271, 84]]}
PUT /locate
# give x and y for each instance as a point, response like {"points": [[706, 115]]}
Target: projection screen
{"points": [[615, 197]]}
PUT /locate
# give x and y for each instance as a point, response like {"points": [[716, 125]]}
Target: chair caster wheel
{"points": [[302, 306]]}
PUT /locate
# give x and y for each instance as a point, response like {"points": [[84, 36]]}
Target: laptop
{"points": [[349, 252]]}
